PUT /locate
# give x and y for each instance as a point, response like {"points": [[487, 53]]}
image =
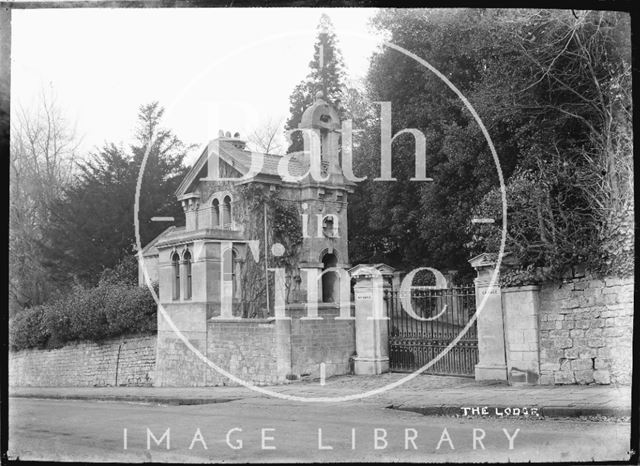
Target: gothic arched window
{"points": [[175, 262], [226, 211], [330, 280], [230, 271], [187, 272], [215, 213], [328, 226]]}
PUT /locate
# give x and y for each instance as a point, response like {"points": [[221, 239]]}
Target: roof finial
{"points": [[319, 95]]}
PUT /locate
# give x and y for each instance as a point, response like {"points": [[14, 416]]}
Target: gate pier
{"points": [[371, 318], [492, 359], [508, 327]]}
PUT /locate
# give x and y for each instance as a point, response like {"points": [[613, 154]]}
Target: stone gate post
{"points": [[508, 340], [372, 338], [492, 360], [521, 305]]}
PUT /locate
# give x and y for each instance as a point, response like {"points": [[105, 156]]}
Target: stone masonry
{"points": [[586, 328], [574, 331], [119, 361], [261, 351]]}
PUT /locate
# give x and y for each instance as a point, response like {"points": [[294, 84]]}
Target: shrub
{"points": [[105, 311], [125, 272], [27, 329], [130, 309], [79, 316]]}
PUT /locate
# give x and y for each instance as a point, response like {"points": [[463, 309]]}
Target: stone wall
{"points": [[177, 365], [327, 341], [249, 349], [121, 361], [259, 351], [586, 328], [269, 351], [521, 327]]}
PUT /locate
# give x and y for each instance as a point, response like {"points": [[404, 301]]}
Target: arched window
{"points": [[187, 272], [230, 275], [175, 261], [330, 279], [226, 211], [215, 213], [328, 227], [234, 274]]}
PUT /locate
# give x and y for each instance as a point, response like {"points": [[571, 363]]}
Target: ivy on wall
{"points": [[284, 227]]}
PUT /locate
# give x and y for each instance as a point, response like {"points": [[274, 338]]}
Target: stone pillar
{"points": [[306, 291], [190, 206], [492, 361], [226, 284], [372, 339], [521, 305], [210, 278], [396, 280]]}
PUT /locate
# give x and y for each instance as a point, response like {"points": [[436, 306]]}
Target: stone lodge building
{"points": [[190, 263], [212, 271]]}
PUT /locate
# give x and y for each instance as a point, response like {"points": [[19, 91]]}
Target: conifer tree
{"points": [[326, 76], [92, 226]]}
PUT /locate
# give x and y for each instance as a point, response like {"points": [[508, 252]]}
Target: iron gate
{"points": [[413, 343]]}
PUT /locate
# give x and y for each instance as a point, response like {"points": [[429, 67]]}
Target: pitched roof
{"points": [[491, 258], [240, 160], [150, 249]]}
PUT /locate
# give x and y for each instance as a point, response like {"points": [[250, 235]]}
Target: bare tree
{"points": [[267, 138], [42, 153]]}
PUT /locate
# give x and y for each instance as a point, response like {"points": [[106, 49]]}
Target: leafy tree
{"points": [[367, 243], [572, 201], [552, 88], [420, 223], [93, 225], [326, 76]]}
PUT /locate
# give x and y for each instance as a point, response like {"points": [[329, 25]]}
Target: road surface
{"points": [[266, 430]]}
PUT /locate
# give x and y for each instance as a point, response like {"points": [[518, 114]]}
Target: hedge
{"points": [[105, 311]]}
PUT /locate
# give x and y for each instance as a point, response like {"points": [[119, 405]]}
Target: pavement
{"points": [[425, 394]]}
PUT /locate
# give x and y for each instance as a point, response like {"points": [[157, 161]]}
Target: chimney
{"points": [[235, 140]]}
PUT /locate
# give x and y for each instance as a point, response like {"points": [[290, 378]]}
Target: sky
{"points": [[211, 69]]}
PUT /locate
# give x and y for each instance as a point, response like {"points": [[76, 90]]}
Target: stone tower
{"points": [[324, 202]]}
